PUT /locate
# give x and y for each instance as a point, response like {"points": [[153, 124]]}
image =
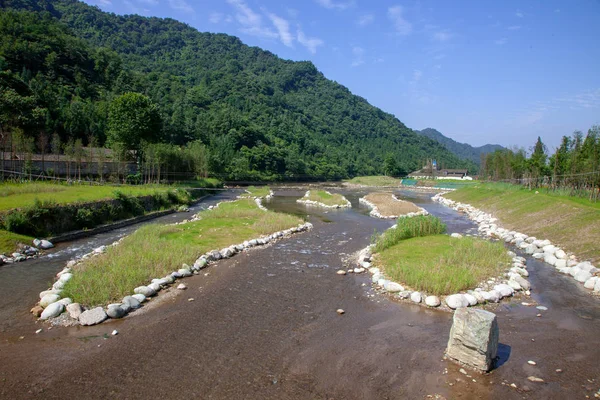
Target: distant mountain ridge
{"points": [[462, 150]]}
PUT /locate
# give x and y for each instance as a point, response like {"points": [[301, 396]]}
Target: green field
{"points": [[572, 223], [440, 264], [20, 195], [154, 251], [379, 181]]}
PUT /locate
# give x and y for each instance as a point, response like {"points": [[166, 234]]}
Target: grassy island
{"points": [[324, 198], [379, 181], [387, 205], [156, 250], [253, 191]]}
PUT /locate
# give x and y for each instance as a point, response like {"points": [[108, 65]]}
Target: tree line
{"points": [[573, 167]]}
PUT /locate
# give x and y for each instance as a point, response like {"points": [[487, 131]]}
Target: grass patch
{"points": [[329, 199], [10, 241], [442, 265], [200, 183], [253, 191], [570, 222], [422, 225], [154, 251], [375, 181], [388, 206], [20, 195]]}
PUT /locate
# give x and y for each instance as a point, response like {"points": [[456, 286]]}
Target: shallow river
{"points": [[263, 325]]}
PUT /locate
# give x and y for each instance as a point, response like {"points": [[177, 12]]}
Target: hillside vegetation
{"points": [[71, 73], [462, 150]]}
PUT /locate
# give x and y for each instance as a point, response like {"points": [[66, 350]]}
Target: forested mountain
{"points": [[462, 150], [65, 67]]}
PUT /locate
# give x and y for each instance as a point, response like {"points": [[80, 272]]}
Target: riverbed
{"points": [[263, 325]]}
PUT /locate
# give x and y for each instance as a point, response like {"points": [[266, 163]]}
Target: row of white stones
{"points": [[304, 200], [568, 264], [53, 305]]}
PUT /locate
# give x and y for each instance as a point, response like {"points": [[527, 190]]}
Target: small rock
{"points": [[341, 272], [534, 379], [462, 371], [45, 245], [455, 301], [191, 299], [542, 308], [53, 310], [145, 290], [432, 301], [132, 302], [74, 310], [415, 297], [115, 332], [139, 297], [49, 299], [559, 370], [340, 311], [393, 287], [93, 316], [115, 311], [37, 311], [181, 286], [530, 362], [38, 331]]}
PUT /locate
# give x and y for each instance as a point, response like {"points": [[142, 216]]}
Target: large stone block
{"points": [[474, 338]]}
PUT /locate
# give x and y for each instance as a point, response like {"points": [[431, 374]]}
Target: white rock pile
{"points": [[565, 263], [305, 200], [51, 305], [26, 252]]}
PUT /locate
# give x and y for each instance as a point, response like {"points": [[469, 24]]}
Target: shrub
{"points": [[408, 228]]}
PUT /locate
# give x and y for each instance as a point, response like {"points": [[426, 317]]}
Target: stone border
{"points": [[257, 199], [566, 263], [493, 290], [375, 210], [307, 202], [51, 305]]}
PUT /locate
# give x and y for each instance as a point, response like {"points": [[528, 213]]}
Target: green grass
{"points": [[10, 241], [20, 195], [329, 199], [375, 181], [570, 222], [253, 191], [154, 251], [200, 183], [442, 265], [422, 225]]}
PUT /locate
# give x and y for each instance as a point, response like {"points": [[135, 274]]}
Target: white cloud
{"points": [[292, 12], [514, 28], [417, 75], [310, 43], [378, 60], [442, 36], [104, 3], [149, 2], [251, 21], [215, 17], [181, 5], [283, 29], [402, 26], [358, 55], [365, 19], [519, 14], [500, 42], [330, 4]]}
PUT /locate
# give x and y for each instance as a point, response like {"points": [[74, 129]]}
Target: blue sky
{"points": [[478, 71]]}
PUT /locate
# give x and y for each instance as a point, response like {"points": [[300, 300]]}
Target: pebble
{"points": [[181, 286], [534, 379], [539, 315], [340, 311], [530, 362], [191, 299], [341, 272], [38, 331], [115, 332], [542, 308], [559, 370], [462, 371]]}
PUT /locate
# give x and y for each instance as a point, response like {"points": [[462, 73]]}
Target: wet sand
{"points": [[263, 325]]}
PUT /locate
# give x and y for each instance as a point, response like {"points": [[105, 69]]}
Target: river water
{"points": [[263, 325]]}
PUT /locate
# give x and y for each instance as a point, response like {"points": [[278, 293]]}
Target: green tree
{"points": [[133, 118]]}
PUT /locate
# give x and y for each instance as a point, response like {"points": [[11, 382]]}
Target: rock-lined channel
{"points": [[265, 325]]}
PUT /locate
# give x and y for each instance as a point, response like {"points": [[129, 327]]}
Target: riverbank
{"points": [[29, 210], [569, 222]]}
